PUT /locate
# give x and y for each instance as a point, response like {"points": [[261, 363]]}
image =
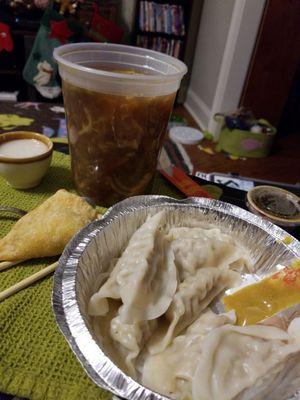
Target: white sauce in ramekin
{"points": [[22, 148]]}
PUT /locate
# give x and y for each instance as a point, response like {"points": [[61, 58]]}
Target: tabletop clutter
{"points": [[158, 281], [243, 135]]}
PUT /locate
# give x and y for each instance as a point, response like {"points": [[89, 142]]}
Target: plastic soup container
{"points": [[118, 101]]}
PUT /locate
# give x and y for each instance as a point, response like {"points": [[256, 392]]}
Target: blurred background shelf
{"points": [[170, 27]]}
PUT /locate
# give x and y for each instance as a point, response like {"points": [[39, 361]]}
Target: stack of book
{"points": [[163, 18], [165, 45], [161, 27]]}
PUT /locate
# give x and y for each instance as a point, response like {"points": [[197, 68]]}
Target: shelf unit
{"points": [[180, 44]]}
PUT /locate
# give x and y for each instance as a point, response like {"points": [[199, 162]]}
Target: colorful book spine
{"points": [[161, 18], [165, 18], [177, 48], [141, 15]]}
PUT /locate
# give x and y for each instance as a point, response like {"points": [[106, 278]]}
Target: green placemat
{"points": [[35, 360]]}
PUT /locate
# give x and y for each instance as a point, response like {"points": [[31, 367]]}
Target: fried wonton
{"points": [[46, 230]]}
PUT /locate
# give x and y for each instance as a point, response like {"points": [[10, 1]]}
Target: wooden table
{"points": [[282, 165]]}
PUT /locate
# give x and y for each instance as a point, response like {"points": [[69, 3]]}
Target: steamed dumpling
{"points": [[171, 371], [235, 358], [144, 278], [130, 339], [197, 247], [152, 320], [194, 294], [121, 342]]}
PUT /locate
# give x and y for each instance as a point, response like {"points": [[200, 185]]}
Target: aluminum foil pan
{"points": [[77, 276]]}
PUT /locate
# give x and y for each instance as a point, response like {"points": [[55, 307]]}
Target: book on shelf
{"points": [[162, 18], [177, 48], [165, 45], [147, 16], [166, 17], [141, 14], [158, 19]]}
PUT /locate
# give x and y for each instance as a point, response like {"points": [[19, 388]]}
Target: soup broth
{"points": [[114, 141]]}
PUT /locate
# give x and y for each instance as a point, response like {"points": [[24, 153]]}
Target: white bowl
{"points": [[25, 172]]}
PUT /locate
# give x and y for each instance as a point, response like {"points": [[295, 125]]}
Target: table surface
{"points": [[283, 164]]}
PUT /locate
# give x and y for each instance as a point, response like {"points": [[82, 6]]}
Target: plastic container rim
{"points": [[60, 51]]}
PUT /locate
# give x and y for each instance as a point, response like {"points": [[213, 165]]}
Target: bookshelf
{"points": [[169, 26]]}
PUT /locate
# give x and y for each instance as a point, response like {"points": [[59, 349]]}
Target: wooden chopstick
{"points": [[7, 264], [27, 281]]}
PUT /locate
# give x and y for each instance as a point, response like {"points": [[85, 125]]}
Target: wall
{"points": [[214, 26], [227, 34], [128, 17]]}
